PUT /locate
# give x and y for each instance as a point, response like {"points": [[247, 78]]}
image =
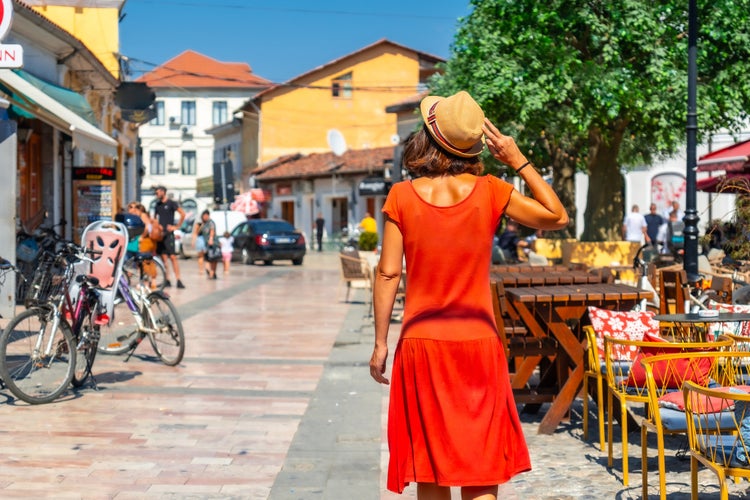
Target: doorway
{"points": [[339, 214]]}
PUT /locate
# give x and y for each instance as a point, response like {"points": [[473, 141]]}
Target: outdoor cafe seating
{"points": [[708, 412], [540, 315], [627, 382], [718, 420]]}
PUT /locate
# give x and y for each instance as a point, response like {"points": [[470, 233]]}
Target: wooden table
{"points": [[513, 279], [559, 311], [697, 327]]}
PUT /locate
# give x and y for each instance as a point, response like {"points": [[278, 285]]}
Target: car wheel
{"points": [[246, 259], [267, 262], [297, 262]]}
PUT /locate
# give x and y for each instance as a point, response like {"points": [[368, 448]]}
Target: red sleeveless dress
{"points": [[452, 419]]}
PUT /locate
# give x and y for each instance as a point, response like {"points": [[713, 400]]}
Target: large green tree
{"points": [[599, 86]]}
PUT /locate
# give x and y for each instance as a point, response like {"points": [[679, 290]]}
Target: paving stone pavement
{"points": [[273, 400]]}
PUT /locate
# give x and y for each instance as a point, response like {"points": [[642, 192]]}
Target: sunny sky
{"points": [[283, 38]]}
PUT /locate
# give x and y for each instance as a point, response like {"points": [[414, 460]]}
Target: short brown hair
{"points": [[423, 157]]}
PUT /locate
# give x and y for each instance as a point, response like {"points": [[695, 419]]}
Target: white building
{"points": [[194, 94], [665, 181]]}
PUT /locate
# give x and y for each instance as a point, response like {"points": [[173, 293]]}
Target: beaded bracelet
{"points": [[518, 171]]}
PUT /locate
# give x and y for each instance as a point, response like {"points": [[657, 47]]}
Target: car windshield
{"points": [[271, 226]]}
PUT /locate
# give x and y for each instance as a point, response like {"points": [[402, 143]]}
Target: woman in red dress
{"points": [[452, 420]]}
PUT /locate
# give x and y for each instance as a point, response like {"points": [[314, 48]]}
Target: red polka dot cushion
{"points": [[628, 325]]}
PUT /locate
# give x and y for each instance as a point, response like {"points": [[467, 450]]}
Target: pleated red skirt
{"points": [[452, 418]]}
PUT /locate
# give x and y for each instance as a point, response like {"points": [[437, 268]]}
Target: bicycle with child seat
{"points": [[139, 313], [52, 344]]}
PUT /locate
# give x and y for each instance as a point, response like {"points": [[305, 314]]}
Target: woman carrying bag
{"points": [[206, 245]]}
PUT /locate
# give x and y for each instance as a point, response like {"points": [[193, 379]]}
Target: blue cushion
{"points": [[720, 447], [619, 367], [674, 420]]}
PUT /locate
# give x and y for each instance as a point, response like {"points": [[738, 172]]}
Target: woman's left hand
{"points": [[377, 364]]}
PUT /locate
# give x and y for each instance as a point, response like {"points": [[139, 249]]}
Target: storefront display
{"points": [[93, 196]]}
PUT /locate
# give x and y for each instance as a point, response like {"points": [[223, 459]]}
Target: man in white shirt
{"points": [[634, 227]]}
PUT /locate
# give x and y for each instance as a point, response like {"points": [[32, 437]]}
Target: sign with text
{"points": [[374, 186], [94, 174], [11, 55]]}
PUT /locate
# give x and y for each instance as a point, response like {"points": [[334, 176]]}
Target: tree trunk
{"points": [[604, 209], [563, 182]]}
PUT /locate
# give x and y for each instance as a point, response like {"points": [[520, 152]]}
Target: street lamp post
{"points": [[691, 214]]}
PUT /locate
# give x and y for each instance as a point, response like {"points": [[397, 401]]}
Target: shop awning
{"points": [[55, 105], [732, 158], [731, 182]]}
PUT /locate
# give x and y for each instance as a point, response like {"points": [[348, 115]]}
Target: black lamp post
{"points": [[691, 214]]}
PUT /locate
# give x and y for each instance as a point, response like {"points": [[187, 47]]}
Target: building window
{"points": [[188, 113], [189, 165], [159, 118], [341, 86], [157, 163], [219, 112]]}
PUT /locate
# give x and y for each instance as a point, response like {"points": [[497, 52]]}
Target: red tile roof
{"points": [[191, 69], [325, 164]]}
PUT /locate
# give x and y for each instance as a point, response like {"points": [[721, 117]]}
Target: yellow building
{"points": [[349, 94], [321, 144], [94, 22]]}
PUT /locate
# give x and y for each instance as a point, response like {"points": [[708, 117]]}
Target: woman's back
{"points": [[447, 229]]}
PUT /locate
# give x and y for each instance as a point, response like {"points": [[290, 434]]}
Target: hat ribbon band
{"points": [[432, 122]]}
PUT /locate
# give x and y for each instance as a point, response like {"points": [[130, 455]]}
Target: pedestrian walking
{"points": [[452, 420], [204, 238], [226, 242], [653, 223], [164, 212], [320, 224], [634, 227]]}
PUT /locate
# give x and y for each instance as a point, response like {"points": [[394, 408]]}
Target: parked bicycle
{"points": [[53, 343], [141, 313], [32, 243]]}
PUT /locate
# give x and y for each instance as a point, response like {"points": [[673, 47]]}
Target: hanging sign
{"points": [[11, 55], [374, 186]]}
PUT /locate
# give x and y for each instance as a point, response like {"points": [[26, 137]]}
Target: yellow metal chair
{"points": [[594, 371], [630, 390], [665, 375], [714, 436], [619, 324]]}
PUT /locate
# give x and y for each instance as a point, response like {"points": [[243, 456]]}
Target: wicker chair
{"points": [[356, 273]]}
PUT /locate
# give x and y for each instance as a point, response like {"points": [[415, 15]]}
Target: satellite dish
{"points": [[336, 142], [395, 139]]}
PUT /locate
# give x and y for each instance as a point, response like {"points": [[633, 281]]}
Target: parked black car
{"points": [[268, 240]]}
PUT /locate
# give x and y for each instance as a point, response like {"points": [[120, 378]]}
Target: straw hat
{"points": [[455, 122]]}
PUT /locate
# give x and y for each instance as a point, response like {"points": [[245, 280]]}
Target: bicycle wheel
{"points": [[160, 274], [36, 377], [86, 351], [148, 272], [118, 336], [168, 338]]}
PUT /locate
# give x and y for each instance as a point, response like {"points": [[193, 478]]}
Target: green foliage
{"points": [[596, 85], [368, 241]]}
